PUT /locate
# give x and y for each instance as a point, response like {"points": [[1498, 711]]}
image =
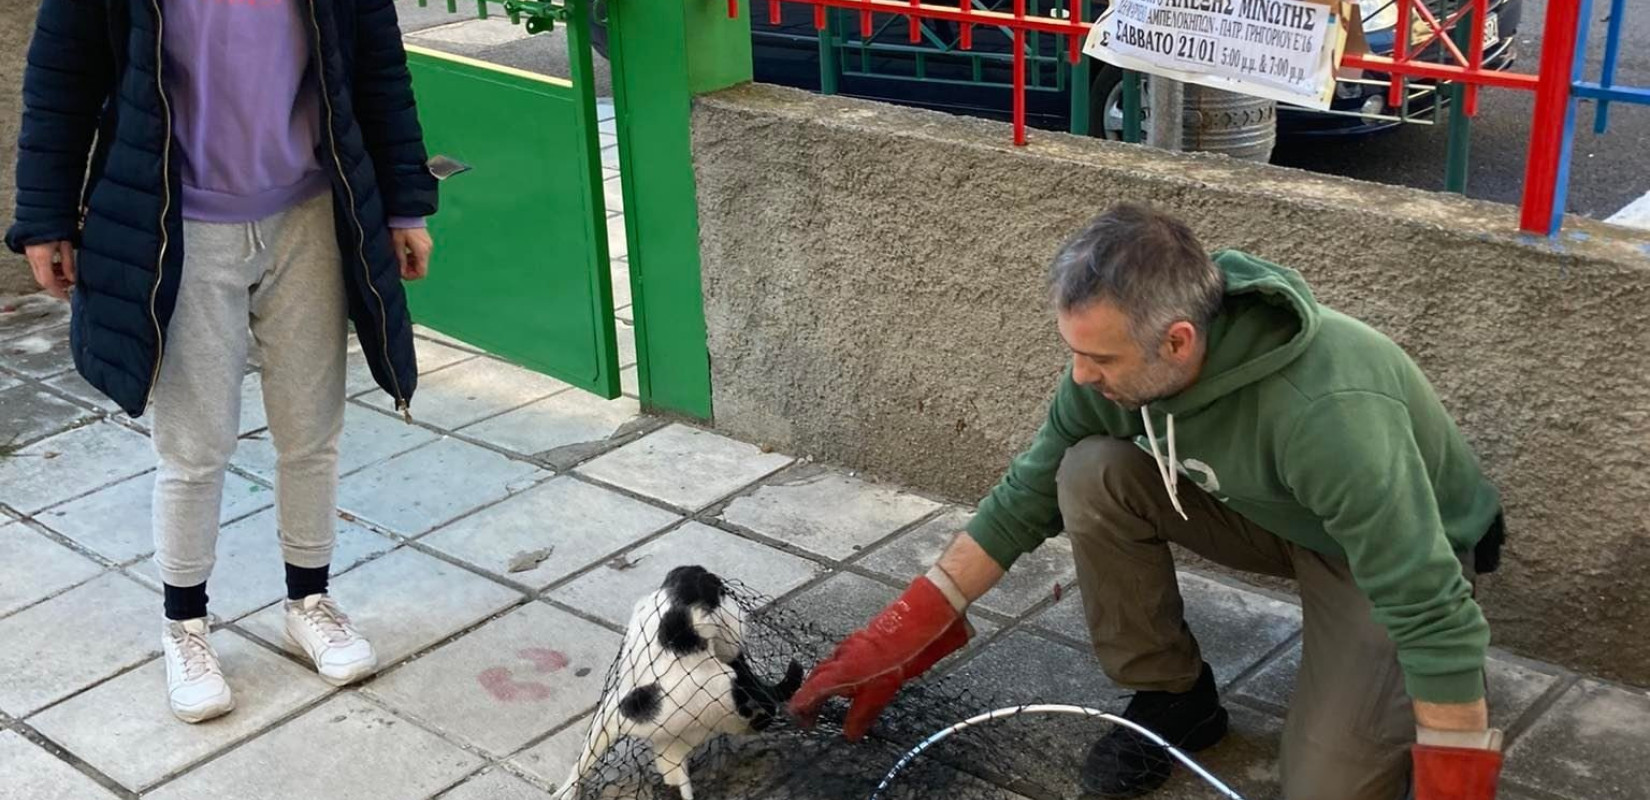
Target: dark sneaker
{"points": [[1125, 764]]}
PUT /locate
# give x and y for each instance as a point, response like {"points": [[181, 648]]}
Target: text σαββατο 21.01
{"points": [[1178, 46]]}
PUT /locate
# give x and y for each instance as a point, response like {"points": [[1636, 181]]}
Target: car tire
{"points": [[598, 27]]}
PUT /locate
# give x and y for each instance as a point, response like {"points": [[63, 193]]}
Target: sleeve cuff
{"points": [[1454, 687], [406, 222], [989, 535]]}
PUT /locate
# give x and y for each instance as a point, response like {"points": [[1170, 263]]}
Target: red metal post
{"points": [[1019, 75], [967, 41], [1400, 53], [1552, 108]]}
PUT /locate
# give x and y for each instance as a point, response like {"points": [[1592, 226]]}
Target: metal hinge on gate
{"points": [[541, 16]]}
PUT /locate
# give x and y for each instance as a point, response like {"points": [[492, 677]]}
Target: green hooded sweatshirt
{"points": [[1319, 429]]}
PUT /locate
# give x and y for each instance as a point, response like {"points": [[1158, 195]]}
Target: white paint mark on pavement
{"points": [[1635, 214]]}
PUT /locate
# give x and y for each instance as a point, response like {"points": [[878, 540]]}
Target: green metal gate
{"points": [[521, 268]]}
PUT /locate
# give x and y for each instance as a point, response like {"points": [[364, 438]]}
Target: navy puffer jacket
{"points": [[95, 74]]}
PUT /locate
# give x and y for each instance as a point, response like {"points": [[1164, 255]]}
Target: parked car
{"points": [[937, 74]]}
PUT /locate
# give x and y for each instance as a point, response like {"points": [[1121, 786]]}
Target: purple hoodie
{"points": [[246, 108]]}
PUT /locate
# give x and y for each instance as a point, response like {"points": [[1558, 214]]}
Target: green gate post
{"points": [[663, 52], [1460, 125]]}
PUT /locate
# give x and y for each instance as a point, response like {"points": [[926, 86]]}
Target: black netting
{"points": [[694, 707]]}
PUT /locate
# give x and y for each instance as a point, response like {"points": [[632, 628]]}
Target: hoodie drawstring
{"points": [[254, 241], [1165, 470]]}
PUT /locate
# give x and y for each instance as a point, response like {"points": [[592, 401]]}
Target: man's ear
{"points": [[1181, 341]]}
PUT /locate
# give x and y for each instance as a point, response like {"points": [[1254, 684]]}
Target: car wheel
{"points": [[1106, 104]]}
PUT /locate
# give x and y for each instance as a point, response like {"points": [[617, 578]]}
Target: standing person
{"points": [[1214, 403], [256, 173]]}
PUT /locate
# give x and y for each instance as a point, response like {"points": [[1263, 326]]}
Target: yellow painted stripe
{"points": [[488, 65]]}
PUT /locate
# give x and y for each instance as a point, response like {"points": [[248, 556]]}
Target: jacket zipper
{"points": [[166, 202], [401, 403]]}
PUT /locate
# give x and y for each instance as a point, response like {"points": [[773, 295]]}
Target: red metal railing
{"points": [[1019, 23], [1554, 107]]}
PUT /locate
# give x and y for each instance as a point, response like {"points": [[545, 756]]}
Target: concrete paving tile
{"points": [[71, 464], [622, 296], [810, 769], [126, 730], [626, 334], [40, 354], [1512, 687], [579, 523], [369, 437], [441, 338], [626, 313], [629, 382], [509, 681], [496, 784], [72, 384], [613, 193], [403, 603], [423, 489], [685, 467], [250, 572], [21, 315], [474, 390], [74, 640], [115, 522], [617, 244], [827, 513], [809, 624], [33, 567], [8, 382], [432, 356], [344, 749], [27, 771], [472, 35], [1030, 582], [1594, 744], [1045, 752], [610, 156], [1235, 628], [550, 760], [609, 592], [566, 427], [28, 413]]}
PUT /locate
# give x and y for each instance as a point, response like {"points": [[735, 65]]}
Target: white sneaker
{"points": [[318, 627], [194, 681]]}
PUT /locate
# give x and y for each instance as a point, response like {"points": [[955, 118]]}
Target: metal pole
{"points": [[1168, 98], [1131, 107], [1553, 123], [1460, 125]]}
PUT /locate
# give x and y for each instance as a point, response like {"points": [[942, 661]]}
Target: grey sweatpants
{"points": [[1350, 722], [279, 281]]}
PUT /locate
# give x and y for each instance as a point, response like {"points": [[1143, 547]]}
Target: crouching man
{"points": [[1213, 403]]}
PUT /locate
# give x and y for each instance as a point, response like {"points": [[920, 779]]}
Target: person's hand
{"points": [[902, 642], [412, 251], [53, 265], [1456, 766]]}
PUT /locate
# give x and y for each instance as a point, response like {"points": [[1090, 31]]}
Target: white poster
{"points": [[1283, 50]]}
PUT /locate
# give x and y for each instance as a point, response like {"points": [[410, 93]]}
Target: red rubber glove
{"points": [[901, 642], [1455, 773]]}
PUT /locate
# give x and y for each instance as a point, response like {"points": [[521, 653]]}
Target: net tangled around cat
{"points": [[693, 706]]}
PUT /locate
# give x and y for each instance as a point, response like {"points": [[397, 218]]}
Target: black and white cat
{"points": [[683, 678]]}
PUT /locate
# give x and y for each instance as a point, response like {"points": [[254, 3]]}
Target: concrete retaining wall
{"points": [[874, 293]]}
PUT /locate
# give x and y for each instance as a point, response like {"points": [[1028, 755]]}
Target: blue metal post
{"points": [[1612, 49]]}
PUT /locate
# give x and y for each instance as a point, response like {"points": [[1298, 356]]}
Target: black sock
{"points": [[185, 602], [302, 582]]}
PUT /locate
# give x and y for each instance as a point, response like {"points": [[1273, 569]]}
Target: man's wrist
{"points": [[948, 587], [1487, 739]]}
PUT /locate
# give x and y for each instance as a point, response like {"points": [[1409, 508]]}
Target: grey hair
{"points": [[1147, 263]]}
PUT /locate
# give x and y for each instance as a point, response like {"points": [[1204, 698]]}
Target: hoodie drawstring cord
{"points": [[1165, 470]]}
